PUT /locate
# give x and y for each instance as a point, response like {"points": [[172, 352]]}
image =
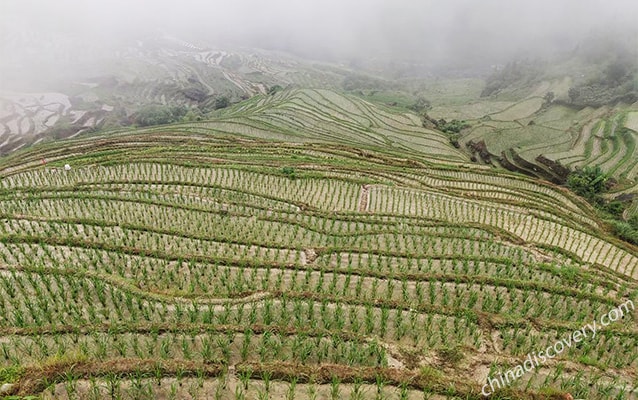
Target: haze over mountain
{"points": [[65, 37]]}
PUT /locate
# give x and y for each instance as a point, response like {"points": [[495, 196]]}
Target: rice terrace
{"points": [[248, 210], [209, 259]]}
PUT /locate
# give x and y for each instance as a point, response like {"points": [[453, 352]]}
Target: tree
{"points": [[153, 116], [274, 89], [451, 127], [221, 102], [588, 182], [289, 171], [549, 97], [192, 116], [159, 115]]}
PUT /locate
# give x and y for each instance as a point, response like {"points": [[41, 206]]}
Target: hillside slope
{"points": [[548, 139], [302, 245], [111, 89]]}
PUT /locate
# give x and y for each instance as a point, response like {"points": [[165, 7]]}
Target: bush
{"points": [[274, 89], [615, 208], [159, 115], [289, 171], [451, 355], [192, 116], [222, 102], [625, 231], [588, 182], [454, 126]]}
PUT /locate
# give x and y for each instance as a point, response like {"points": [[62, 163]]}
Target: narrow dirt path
{"points": [[363, 198]]}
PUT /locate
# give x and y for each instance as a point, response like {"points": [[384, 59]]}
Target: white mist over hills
{"points": [[41, 37]]}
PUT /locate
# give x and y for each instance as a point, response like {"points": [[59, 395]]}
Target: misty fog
{"points": [[44, 39]]}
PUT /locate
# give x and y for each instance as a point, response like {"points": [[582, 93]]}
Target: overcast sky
{"points": [[425, 30]]}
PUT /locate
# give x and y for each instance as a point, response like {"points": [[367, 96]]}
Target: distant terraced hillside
{"points": [[312, 115], [531, 136], [303, 245], [162, 71]]}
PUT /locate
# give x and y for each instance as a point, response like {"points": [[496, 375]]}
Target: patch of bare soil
{"points": [[364, 204]]}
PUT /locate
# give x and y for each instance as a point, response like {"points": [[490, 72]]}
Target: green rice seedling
{"points": [[335, 389], [292, 386], [357, 389]]}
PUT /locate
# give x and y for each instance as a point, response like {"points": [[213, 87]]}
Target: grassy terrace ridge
{"points": [[301, 245]]}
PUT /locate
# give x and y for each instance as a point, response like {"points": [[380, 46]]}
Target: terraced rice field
{"points": [[25, 118], [161, 70], [211, 260], [522, 131]]}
